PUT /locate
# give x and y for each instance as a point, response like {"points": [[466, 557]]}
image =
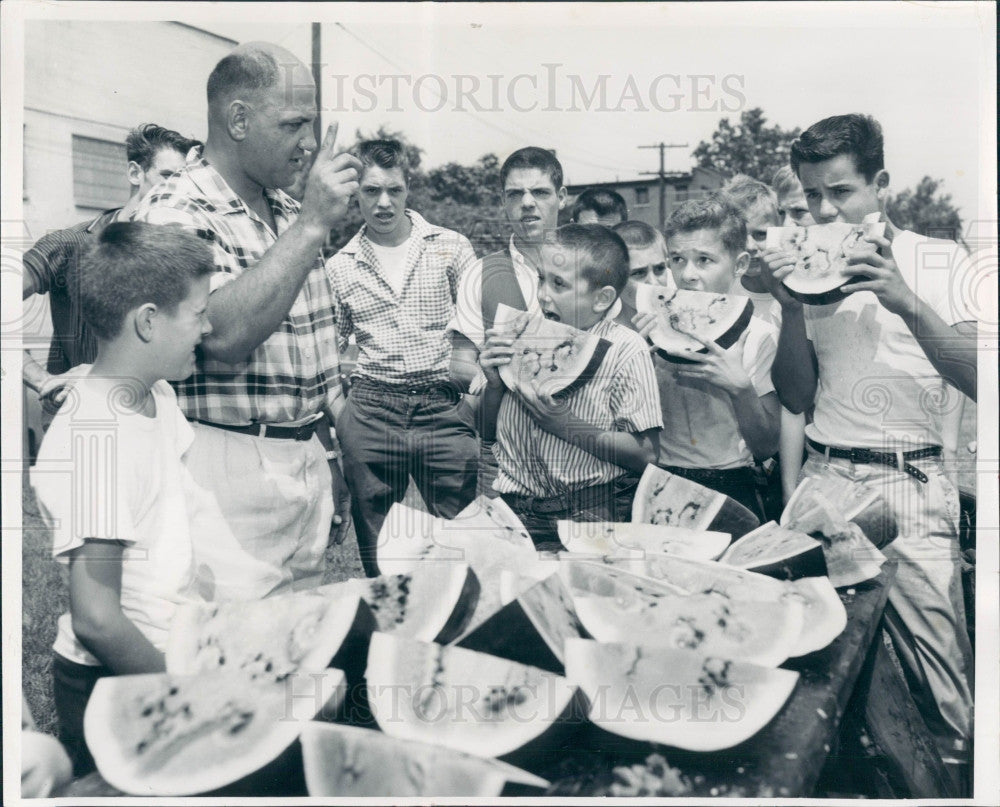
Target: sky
{"points": [[531, 74]]}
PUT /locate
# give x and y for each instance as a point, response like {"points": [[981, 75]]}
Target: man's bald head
{"points": [[251, 69]]}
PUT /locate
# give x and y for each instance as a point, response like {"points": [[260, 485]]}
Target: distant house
{"points": [[643, 195]]}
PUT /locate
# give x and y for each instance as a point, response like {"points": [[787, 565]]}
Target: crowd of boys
{"points": [[213, 280]]}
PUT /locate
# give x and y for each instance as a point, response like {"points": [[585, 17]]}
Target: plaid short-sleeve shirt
{"points": [[401, 335], [295, 372]]}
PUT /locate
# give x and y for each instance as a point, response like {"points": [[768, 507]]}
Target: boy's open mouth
{"points": [[552, 315]]}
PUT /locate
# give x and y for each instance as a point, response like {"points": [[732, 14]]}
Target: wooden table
{"points": [[783, 760]]}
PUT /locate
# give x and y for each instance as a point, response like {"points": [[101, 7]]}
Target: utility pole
{"points": [[662, 173], [317, 63]]}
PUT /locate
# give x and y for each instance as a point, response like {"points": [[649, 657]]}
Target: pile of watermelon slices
{"points": [[476, 659]]}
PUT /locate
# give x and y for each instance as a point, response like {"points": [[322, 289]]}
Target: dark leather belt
{"points": [[444, 389], [866, 456], [300, 433], [714, 475], [565, 502]]}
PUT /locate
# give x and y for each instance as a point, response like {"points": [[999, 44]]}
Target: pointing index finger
{"points": [[330, 141]]}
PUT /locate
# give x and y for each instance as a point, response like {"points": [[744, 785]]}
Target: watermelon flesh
{"points": [[614, 605], [606, 538], [460, 699], [352, 762], [667, 499], [676, 697], [170, 735], [719, 318], [855, 501], [778, 552], [552, 356]]}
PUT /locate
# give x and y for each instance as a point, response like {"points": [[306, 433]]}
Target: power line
{"points": [[662, 174]]}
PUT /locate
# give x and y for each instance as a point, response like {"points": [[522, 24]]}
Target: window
{"points": [[99, 173], [642, 196], [682, 193]]}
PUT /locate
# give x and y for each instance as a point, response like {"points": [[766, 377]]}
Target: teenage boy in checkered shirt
{"points": [[571, 458], [394, 287], [879, 365]]}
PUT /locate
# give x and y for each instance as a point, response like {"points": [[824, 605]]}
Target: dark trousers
{"points": [[72, 684], [736, 483], [386, 436], [610, 502]]}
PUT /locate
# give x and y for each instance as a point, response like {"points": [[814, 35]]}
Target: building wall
{"points": [[100, 79]]}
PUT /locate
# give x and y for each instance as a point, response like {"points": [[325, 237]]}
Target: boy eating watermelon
{"points": [[878, 365], [720, 412], [570, 458], [109, 477]]}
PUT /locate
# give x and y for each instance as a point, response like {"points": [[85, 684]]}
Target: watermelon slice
{"points": [[821, 252], [855, 501], [488, 537], [531, 628], [676, 697], [471, 702], [352, 762], [778, 552], [172, 735], [824, 616], [614, 605], [719, 318], [670, 500], [553, 356], [610, 538], [271, 638], [433, 603]]}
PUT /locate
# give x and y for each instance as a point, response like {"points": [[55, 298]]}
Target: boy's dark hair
{"points": [[744, 192], [143, 142], [533, 157], [243, 71], [384, 154], [604, 254], [602, 202], [714, 213], [636, 234], [133, 263], [857, 135]]}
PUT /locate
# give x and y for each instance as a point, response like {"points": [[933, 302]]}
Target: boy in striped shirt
{"points": [[570, 458]]}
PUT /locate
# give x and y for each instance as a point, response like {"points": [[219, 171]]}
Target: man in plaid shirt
{"points": [[270, 369], [394, 286]]}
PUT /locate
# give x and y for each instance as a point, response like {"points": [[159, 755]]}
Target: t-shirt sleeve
{"points": [[635, 395], [758, 356], [468, 319], [82, 487]]}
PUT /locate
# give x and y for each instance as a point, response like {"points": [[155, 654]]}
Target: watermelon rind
{"points": [[547, 334], [854, 500], [229, 726], [674, 697], [472, 702], [778, 552], [352, 762], [665, 498], [615, 605], [608, 538]]}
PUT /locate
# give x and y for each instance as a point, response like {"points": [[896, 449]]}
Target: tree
{"points": [[925, 211], [749, 147]]}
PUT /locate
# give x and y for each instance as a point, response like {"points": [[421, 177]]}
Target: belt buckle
{"points": [[862, 455]]}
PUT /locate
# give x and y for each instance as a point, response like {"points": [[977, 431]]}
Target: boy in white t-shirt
{"points": [[883, 367], [720, 413], [109, 477]]}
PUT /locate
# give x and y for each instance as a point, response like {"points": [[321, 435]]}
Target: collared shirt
{"points": [[52, 262], [622, 396], [401, 336], [295, 373]]}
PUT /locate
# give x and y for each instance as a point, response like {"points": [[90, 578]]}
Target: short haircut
{"points": [[637, 234], [243, 71], [384, 154], [744, 192], [605, 254], [714, 213], [145, 141], [785, 181], [132, 263], [602, 202], [860, 136], [533, 157]]}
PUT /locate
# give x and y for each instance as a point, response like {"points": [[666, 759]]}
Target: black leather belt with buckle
{"points": [[300, 433], [867, 456]]}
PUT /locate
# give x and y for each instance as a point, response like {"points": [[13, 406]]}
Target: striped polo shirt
{"points": [[622, 396]]}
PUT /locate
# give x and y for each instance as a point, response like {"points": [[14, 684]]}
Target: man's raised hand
{"points": [[332, 181]]}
